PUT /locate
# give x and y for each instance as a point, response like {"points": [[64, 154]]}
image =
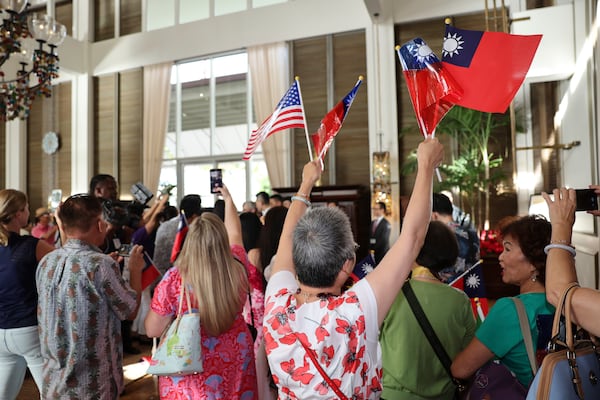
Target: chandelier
{"points": [[28, 59]]}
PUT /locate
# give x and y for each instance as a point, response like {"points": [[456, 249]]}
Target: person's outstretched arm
{"points": [[560, 265], [232, 218], [387, 279], [284, 261]]}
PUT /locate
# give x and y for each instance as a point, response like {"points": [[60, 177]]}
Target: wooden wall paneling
{"points": [[3, 165], [62, 123], [131, 17], [130, 129], [309, 63], [352, 142], [36, 158], [104, 124], [104, 19], [64, 15]]}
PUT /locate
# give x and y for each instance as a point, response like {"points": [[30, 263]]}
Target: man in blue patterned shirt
{"points": [[82, 300]]}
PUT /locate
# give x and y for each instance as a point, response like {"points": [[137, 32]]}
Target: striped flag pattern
{"points": [[288, 114]]}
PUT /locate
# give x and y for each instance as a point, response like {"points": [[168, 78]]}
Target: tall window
{"points": [[210, 120]]}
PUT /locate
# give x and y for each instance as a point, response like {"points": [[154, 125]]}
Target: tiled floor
{"points": [[138, 386]]}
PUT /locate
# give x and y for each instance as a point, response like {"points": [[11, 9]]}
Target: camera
{"points": [[586, 199], [141, 193]]}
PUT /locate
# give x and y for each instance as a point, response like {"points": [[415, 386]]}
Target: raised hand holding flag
{"points": [[332, 122]]}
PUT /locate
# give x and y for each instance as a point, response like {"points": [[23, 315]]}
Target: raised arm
{"points": [[310, 175], [232, 218], [560, 265], [387, 279], [150, 221]]}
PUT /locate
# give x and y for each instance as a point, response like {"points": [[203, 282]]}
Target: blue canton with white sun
{"points": [[452, 44], [416, 54]]}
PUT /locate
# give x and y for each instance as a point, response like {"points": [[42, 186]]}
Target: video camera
{"points": [[128, 213]]}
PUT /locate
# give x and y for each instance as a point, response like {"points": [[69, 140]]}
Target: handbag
{"points": [[180, 350], [571, 370], [494, 380]]}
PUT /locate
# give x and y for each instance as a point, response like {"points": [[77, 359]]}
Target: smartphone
{"points": [[125, 250], [216, 179], [587, 199]]}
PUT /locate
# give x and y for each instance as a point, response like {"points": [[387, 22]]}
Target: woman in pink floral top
{"points": [[208, 267], [305, 310]]}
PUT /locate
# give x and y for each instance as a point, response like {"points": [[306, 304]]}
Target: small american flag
{"points": [[288, 114]]}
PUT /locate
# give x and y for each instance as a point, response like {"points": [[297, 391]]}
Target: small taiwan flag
{"points": [[363, 268], [182, 229], [471, 282], [150, 272]]}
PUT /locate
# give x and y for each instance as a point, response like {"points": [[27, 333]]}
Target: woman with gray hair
{"points": [[321, 342]]}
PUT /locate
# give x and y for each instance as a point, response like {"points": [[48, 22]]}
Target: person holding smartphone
{"points": [[560, 265]]}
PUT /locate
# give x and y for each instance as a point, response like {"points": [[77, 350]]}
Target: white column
{"points": [[16, 155], [82, 144], [383, 119]]}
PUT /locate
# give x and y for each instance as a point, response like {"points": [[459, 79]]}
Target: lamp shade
{"points": [[56, 33], [13, 5], [39, 26]]}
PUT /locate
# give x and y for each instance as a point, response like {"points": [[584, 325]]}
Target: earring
{"points": [[534, 278]]}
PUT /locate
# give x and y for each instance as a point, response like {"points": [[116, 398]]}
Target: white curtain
{"points": [[269, 72], [157, 91]]}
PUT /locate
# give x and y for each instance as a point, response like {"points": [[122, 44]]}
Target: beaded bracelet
{"points": [[561, 241], [570, 249], [302, 199]]}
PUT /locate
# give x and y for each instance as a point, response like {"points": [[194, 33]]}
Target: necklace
{"points": [[307, 295]]}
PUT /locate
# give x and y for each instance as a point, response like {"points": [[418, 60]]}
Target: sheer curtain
{"points": [[269, 73], [157, 91]]}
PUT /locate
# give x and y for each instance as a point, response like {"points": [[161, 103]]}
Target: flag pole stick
{"points": [[465, 273], [304, 116]]}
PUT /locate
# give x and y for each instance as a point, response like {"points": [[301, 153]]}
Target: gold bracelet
{"points": [[561, 241]]}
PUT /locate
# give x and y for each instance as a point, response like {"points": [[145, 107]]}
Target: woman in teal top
{"points": [[523, 263]]}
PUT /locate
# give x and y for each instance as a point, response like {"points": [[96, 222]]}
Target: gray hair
{"points": [[323, 241]]}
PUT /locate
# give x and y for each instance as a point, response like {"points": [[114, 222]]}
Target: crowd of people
{"points": [[278, 267]]}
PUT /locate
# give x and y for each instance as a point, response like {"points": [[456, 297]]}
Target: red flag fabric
{"points": [[288, 114], [488, 66], [149, 273], [332, 122], [432, 90], [182, 229], [471, 282]]}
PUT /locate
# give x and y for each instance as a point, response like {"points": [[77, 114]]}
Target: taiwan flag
{"points": [[150, 272], [432, 89], [363, 268], [488, 66], [182, 229], [471, 282], [332, 122]]}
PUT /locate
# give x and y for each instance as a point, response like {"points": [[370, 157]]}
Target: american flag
{"points": [[288, 114]]}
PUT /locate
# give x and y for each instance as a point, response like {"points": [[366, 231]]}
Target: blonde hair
{"points": [[11, 201], [217, 279]]}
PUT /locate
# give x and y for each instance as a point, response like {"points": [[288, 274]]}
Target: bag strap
{"points": [[434, 341], [526, 332], [330, 383], [183, 293]]}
